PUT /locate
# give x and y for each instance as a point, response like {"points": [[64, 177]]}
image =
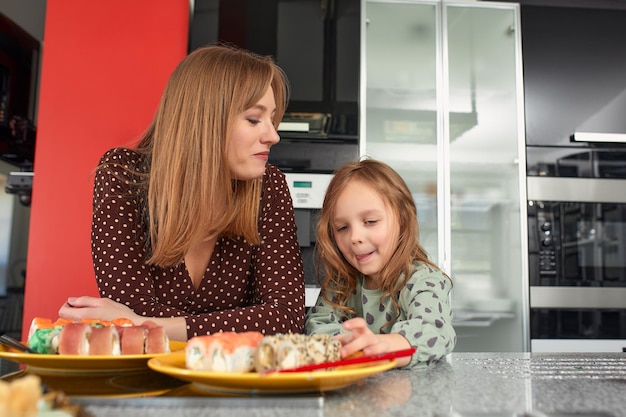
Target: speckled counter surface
{"points": [[494, 385], [465, 385]]}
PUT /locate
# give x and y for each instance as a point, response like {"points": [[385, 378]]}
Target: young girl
{"points": [[380, 292]]}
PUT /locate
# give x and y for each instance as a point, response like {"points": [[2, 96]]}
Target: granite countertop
{"points": [[465, 385]]}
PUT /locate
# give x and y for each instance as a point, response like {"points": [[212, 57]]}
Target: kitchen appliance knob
{"points": [[546, 226], [547, 241]]}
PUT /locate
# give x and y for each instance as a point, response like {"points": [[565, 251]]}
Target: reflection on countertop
{"points": [[464, 385]]}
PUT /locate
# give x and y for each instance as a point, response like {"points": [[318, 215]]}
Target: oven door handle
{"points": [[577, 190], [578, 297], [587, 137]]}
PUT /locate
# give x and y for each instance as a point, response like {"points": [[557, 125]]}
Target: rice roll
{"points": [[122, 322], [42, 335], [222, 352], [74, 339], [322, 348], [156, 338], [133, 340], [104, 341], [291, 352], [286, 351]]}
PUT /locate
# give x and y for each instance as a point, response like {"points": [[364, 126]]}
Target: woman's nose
{"points": [[271, 136]]}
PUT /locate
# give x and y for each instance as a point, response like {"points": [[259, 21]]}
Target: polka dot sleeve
{"points": [[244, 287]]}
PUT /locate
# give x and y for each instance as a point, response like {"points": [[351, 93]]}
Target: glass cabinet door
{"points": [[400, 100], [442, 103], [486, 177]]}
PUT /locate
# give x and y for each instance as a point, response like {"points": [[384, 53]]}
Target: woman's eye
{"points": [[254, 121]]}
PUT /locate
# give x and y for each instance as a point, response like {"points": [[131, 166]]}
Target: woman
{"points": [[192, 228]]}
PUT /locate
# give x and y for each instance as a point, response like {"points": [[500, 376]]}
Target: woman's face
{"points": [[253, 135], [365, 229]]}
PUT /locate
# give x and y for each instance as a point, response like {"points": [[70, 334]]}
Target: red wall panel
{"points": [[104, 66]]}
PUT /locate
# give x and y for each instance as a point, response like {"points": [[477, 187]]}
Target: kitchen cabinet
{"points": [[581, 88], [442, 103]]}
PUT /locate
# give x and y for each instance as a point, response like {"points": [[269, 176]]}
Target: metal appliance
{"points": [[308, 155], [577, 245]]}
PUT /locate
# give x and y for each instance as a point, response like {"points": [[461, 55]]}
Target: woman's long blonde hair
{"points": [[339, 278], [188, 192]]}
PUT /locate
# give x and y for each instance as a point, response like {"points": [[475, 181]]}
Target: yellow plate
{"points": [[138, 383], [68, 365], [173, 364]]}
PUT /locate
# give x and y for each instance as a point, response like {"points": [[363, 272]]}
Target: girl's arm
{"points": [[424, 322], [323, 318], [428, 317]]}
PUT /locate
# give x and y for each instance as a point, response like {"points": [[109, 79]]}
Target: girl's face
{"points": [[253, 135], [365, 229]]}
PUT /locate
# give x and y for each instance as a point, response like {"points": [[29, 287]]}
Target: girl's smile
{"points": [[365, 229]]}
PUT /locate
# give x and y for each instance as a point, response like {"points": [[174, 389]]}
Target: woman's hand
{"points": [[361, 338], [85, 307]]}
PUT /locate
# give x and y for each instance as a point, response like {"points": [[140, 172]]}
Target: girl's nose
{"points": [[356, 236]]}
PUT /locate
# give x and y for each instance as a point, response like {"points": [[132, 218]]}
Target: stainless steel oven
{"points": [[577, 248], [312, 146]]}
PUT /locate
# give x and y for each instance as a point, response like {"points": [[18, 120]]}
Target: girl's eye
{"points": [[342, 228], [371, 222], [254, 121]]}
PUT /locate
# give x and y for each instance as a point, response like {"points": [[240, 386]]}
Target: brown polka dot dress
{"points": [[244, 287]]}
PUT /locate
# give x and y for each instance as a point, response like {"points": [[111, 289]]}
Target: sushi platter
{"points": [[113, 355], [253, 383]]}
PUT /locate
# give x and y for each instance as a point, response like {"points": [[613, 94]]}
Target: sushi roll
{"points": [[322, 348], [96, 322], [280, 351], [104, 341], [156, 338], [122, 322], [286, 351], [133, 340], [291, 352], [222, 352], [74, 339], [43, 334]]}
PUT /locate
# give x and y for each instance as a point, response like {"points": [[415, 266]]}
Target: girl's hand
{"points": [[361, 338], [85, 307]]}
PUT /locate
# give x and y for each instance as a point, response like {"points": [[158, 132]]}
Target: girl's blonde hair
{"points": [[339, 277], [187, 191]]}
